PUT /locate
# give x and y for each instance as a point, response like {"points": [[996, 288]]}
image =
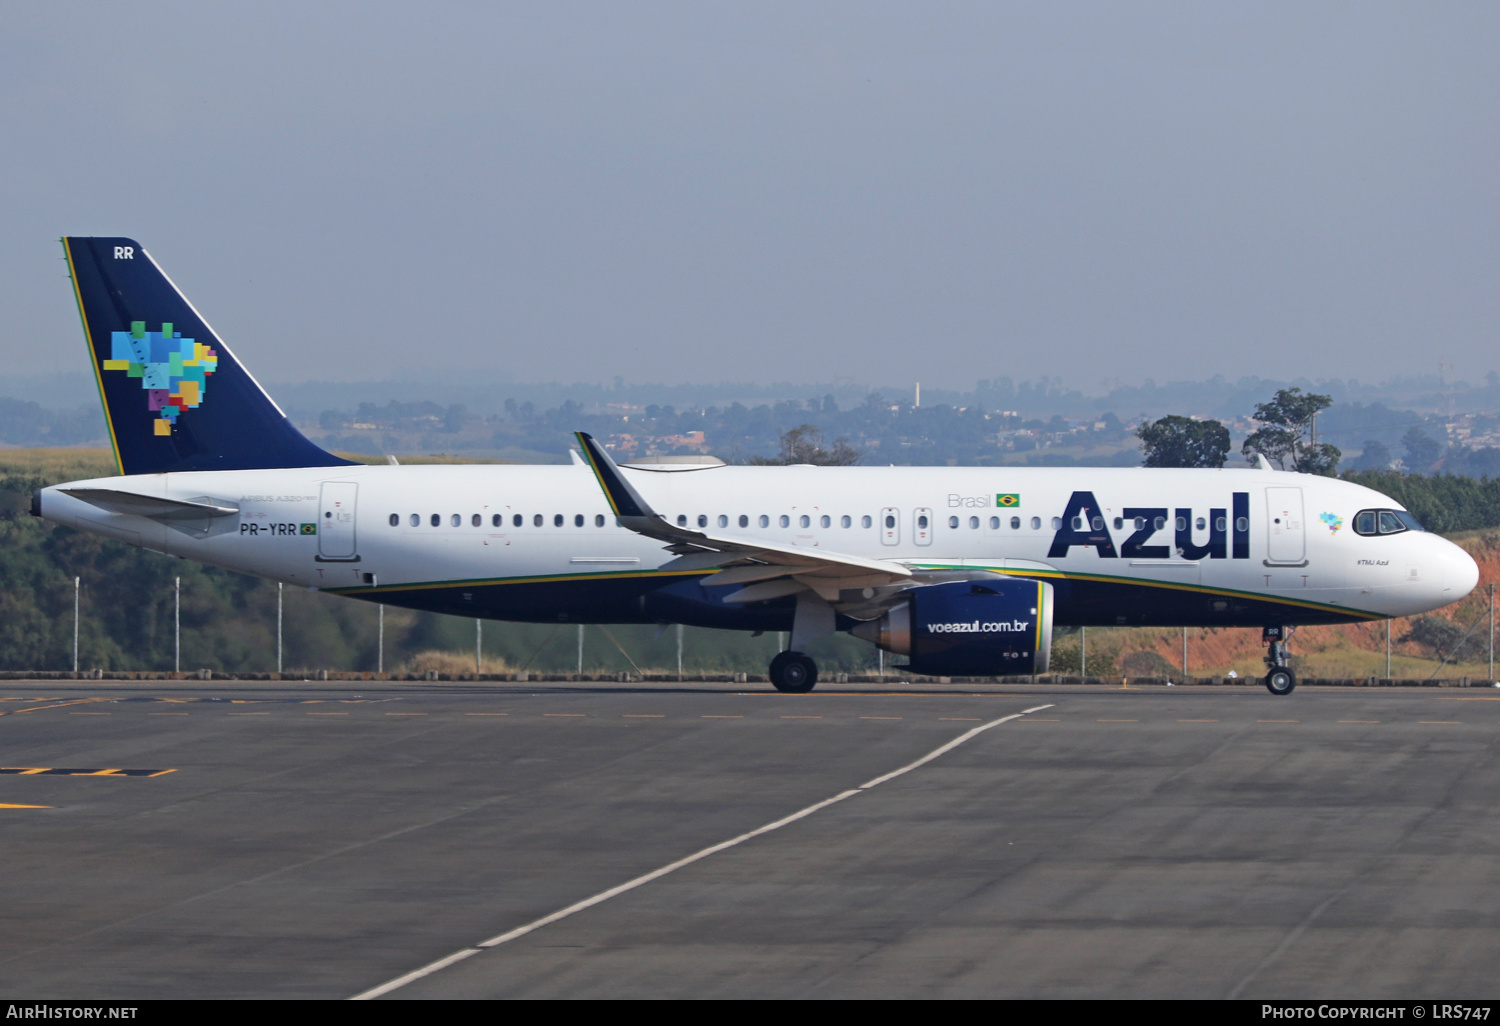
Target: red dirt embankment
{"points": [[1352, 650]]}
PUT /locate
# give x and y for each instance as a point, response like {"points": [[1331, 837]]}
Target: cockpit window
{"points": [[1385, 521]]}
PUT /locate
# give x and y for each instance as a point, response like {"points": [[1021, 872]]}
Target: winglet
{"points": [[623, 499], [1261, 463]]}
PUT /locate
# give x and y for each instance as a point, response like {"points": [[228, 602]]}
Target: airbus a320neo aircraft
{"points": [[962, 570]]}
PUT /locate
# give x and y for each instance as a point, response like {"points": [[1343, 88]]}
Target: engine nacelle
{"points": [[969, 628]]}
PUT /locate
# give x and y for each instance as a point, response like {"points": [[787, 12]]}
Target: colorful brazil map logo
{"points": [[173, 370]]}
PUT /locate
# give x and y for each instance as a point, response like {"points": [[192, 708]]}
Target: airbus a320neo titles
{"points": [[965, 571]]}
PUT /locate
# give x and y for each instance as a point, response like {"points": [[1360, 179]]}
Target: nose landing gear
{"points": [[1280, 680], [793, 673]]}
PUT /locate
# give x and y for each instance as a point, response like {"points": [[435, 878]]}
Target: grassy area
{"points": [[53, 465]]}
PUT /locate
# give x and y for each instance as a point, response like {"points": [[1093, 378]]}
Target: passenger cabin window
{"points": [[1015, 523], [973, 523], [804, 520], [395, 519], [723, 520], [536, 521], [516, 520], [496, 520], [577, 519], [416, 520], [845, 522], [682, 520], [764, 521], [744, 520], [890, 521], [953, 523], [865, 522], [1036, 523], [702, 519], [557, 520], [598, 519], [922, 520], [1056, 523], [825, 522], [437, 520], [995, 523], [786, 521]]}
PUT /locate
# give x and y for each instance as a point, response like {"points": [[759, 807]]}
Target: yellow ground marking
{"points": [[1197, 721], [564, 714], [802, 717], [712, 716], [960, 719], [486, 714], [880, 717], [644, 716], [7, 805], [57, 705], [102, 773], [1446, 723], [1359, 721]]}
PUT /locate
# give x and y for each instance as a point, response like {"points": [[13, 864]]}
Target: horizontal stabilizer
{"points": [[151, 506]]}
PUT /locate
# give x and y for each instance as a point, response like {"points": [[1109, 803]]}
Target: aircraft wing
{"points": [[768, 570]]}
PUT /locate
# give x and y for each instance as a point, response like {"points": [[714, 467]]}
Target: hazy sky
{"points": [[691, 192]]}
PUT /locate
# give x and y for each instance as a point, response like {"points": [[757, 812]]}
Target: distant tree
{"points": [[1175, 441], [1422, 452], [1440, 635], [804, 444], [1374, 457], [1287, 433]]}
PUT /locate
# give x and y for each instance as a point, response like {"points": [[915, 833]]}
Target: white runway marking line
{"points": [[657, 874]]}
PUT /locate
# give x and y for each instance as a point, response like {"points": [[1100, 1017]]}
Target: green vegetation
{"points": [[1444, 503], [1289, 433], [1175, 441]]}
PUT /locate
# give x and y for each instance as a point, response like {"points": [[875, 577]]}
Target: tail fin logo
{"points": [[173, 370]]}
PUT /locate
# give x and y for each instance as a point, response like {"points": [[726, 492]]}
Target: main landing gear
{"points": [[793, 673], [1280, 680]]}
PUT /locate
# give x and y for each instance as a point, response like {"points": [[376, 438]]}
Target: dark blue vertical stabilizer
{"points": [[174, 396]]}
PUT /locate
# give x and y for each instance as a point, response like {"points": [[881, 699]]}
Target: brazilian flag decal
{"points": [[309, 529], [1008, 499]]}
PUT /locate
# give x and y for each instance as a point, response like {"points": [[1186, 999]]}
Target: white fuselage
{"points": [[1290, 540]]}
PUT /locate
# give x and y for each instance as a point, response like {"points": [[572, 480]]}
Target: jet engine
{"points": [[969, 628]]}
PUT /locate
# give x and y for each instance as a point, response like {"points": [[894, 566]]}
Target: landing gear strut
{"points": [[793, 673], [1280, 680]]}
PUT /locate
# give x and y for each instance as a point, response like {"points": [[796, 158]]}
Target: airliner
{"points": [[963, 570]]}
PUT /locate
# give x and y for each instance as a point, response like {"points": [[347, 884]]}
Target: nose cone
{"points": [[1460, 572]]}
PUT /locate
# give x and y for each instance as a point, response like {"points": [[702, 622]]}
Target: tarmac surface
{"points": [[307, 839]]}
